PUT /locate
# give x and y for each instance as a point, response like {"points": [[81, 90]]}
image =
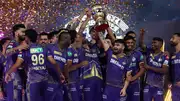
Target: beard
{"points": [[173, 44], [21, 38], [43, 44], [116, 51]]}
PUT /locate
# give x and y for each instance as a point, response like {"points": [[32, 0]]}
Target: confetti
{"points": [[49, 15]]}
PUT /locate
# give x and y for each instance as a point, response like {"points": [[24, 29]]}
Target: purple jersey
{"points": [[35, 58], [60, 57], [175, 65], [74, 56], [135, 58], [153, 78], [11, 58], [116, 69], [93, 69]]}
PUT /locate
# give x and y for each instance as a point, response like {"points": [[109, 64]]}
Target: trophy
{"points": [[99, 16]]}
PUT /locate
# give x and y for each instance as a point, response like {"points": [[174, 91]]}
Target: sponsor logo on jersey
{"points": [[59, 58], [36, 50], [173, 57], [69, 53], [133, 59], [75, 55], [58, 53], [159, 60], [113, 61]]}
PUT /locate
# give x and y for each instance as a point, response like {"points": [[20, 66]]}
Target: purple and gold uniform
{"points": [[91, 76], [135, 58], [14, 87], [55, 89], [74, 76], [154, 80], [175, 66], [115, 75], [35, 58]]}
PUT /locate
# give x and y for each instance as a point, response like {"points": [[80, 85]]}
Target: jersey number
{"points": [[37, 59]]}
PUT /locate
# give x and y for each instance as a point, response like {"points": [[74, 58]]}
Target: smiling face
{"points": [[156, 45], [118, 47], [130, 44]]}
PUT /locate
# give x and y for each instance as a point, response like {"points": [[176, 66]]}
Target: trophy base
{"points": [[101, 27]]}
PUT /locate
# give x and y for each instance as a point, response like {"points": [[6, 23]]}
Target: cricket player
{"points": [[59, 53], [136, 60], [175, 67], [14, 87], [117, 71], [157, 67], [35, 57], [75, 62]]}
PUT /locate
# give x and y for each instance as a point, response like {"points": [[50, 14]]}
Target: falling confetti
{"points": [[51, 15]]}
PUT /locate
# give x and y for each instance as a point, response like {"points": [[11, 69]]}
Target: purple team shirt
{"points": [[116, 69], [135, 58], [35, 58], [175, 66], [11, 58], [74, 56], [93, 68], [60, 57], [153, 78]]}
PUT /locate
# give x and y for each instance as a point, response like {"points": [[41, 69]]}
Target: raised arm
{"points": [[83, 26], [104, 43], [110, 32], [141, 40]]}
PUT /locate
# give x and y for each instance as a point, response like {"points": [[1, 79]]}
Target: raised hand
{"points": [[88, 12], [142, 31]]}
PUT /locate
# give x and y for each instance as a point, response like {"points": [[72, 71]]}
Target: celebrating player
{"points": [[14, 88], [135, 58], [35, 58], [117, 68], [157, 67], [59, 53]]}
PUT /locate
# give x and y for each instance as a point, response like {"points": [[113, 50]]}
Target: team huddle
{"points": [[65, 66]]}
